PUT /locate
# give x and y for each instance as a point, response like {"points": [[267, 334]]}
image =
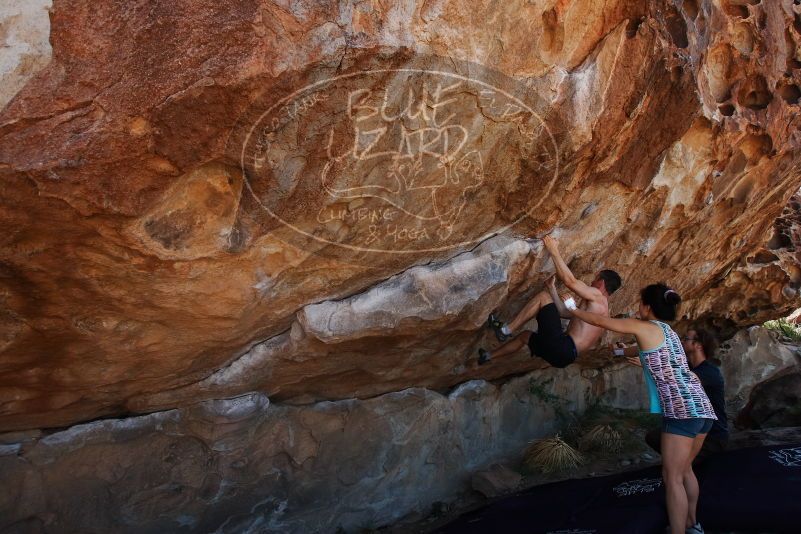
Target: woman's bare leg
{"points": [[691, 483], [676, 455], [529, 311]]}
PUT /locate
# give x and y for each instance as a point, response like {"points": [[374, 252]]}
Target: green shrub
{"points": [[785, 328]]}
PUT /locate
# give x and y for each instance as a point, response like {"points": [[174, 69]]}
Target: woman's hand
{"points": [[620, 350], [634, 361]]}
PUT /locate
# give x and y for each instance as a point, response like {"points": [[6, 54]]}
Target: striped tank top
{"points": [[681, 395]]}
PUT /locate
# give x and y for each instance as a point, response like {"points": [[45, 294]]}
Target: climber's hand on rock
{"points": [[550, 243]]}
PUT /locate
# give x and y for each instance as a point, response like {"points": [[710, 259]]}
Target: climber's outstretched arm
{"points": [[564, 311], [565, 275]]}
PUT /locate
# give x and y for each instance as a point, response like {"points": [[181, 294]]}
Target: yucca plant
{"points": [[602, 437], [551, 454]]}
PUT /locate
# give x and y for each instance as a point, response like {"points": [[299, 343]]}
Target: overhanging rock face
{"points": [[207, 198], [763, 284]]}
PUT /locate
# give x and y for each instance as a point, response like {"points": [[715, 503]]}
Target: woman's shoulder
{"points": [[659, 325], [656, 336], [665, 327]]}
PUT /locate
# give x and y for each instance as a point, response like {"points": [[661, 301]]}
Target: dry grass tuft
{"points": [[552, 454], [602, 437]]}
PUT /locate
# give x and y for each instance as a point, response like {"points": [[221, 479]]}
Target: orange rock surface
{"points": [[155, 253]]}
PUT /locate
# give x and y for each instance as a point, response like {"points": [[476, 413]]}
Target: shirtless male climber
{"points": [[550, 342]]}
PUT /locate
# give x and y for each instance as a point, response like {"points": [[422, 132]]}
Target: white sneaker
{"points": [[695, 529]]}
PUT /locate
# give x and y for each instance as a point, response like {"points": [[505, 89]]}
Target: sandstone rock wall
{"points": [[141, 270], [247, 465], [774, 403], [171, 238], [762, 374], [25, 33], [762, 285], [752, 357]]}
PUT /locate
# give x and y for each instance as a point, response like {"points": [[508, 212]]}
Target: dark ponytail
{"points": [[662, 300]]}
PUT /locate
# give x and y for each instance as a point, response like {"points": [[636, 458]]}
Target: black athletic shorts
{"points": [[549, 342]]}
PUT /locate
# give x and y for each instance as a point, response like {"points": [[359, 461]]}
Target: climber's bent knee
{"points": [[524, 337], [549, 342], [559, 352]]}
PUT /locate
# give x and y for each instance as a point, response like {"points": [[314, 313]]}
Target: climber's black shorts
{"points": [[549, 342]]}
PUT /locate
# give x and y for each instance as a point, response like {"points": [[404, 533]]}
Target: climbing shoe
{"points": [[497, 326], [483, 356]]}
